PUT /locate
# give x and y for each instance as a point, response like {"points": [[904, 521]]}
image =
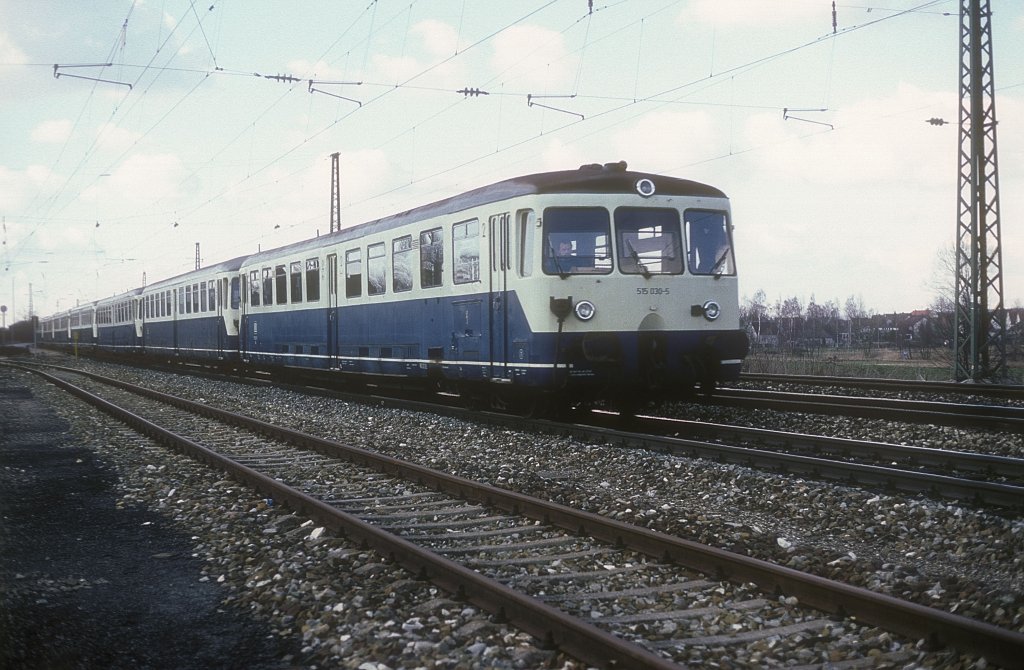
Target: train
{"points": [[595, 284]]}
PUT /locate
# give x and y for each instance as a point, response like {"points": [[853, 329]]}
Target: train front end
{"points": [[637, 298]]}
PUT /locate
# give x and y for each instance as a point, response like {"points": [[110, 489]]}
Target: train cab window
{"points": [[295, 274], [353, 273], [312, 279], [376, 269], [466, 252], [577, 240], [649, 241], [431, 258], [281, 284], [708, 249], [401, 264]]}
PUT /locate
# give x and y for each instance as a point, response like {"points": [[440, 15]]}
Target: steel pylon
{"points": [[980, 321]]}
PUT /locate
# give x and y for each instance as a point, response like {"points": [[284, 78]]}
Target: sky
{"points": [[131, 131]]}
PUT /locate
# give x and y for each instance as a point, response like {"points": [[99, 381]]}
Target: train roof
{"points": [[224, 266], [604, 179]]}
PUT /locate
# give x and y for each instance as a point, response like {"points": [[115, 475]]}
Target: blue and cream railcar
{"points": [[596, 281], [194, 315], [118, 327], [82, 327]]}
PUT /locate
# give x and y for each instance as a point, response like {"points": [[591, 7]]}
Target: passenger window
{"points": [[401, 264], [281, 284], [296, 284], [254, 288], [577, 240], [708, 250], [431, 258], [202, 297], [312, 279], [376, 269], [268, 286], [353, 273], [211, 295], [649, 241], [466, 251]]}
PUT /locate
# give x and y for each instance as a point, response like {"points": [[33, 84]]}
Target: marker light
{"points": [[645, 187], [712, 310]]}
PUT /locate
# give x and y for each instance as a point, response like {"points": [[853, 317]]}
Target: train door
{"points": [[332, 311], [498, 226]]}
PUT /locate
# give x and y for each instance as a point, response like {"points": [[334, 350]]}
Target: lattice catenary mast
{"points": [[335, 194], [979, 340]]}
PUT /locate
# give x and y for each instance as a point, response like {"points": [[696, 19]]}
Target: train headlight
{"points": [[585, 310], [712, 310]]}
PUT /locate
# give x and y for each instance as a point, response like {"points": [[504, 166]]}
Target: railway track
{"points": [[939, 472], [1013, 392], [520, 556], [994, 417]]}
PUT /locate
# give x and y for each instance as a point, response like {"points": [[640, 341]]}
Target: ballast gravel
{"points": [[347, 609]]}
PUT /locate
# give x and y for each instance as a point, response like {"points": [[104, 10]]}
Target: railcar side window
{"points": [[524, 234], [353, 273], [466, 251], [376, 269], [708, 249], [577, 240], [268, 286], [312, 279], [202, 297], [295, 270], [281, 284], [181, 291], [649, 241], [211, 295], [431, 258], [401, 264], [254, 287]]}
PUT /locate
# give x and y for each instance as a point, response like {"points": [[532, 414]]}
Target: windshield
{"points": [[709, 251], [577, 240], [649, 241]]}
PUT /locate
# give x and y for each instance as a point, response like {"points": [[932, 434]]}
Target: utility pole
{"points": [[979, 340], [335, 193]]}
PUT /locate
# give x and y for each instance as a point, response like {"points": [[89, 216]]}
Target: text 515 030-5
{"points": [[652, 291]]}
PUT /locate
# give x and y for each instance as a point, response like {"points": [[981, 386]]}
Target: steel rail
{"points": [[994, 417], [937, 627], [1006, 391]]}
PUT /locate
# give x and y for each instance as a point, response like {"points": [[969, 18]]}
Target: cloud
{"points": [[533, 57], [319, 70], [10, 54], [439, 38], [140, 179], [112, 138], [875, 139], [734, 13], [661, 140], [52, 132]]}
